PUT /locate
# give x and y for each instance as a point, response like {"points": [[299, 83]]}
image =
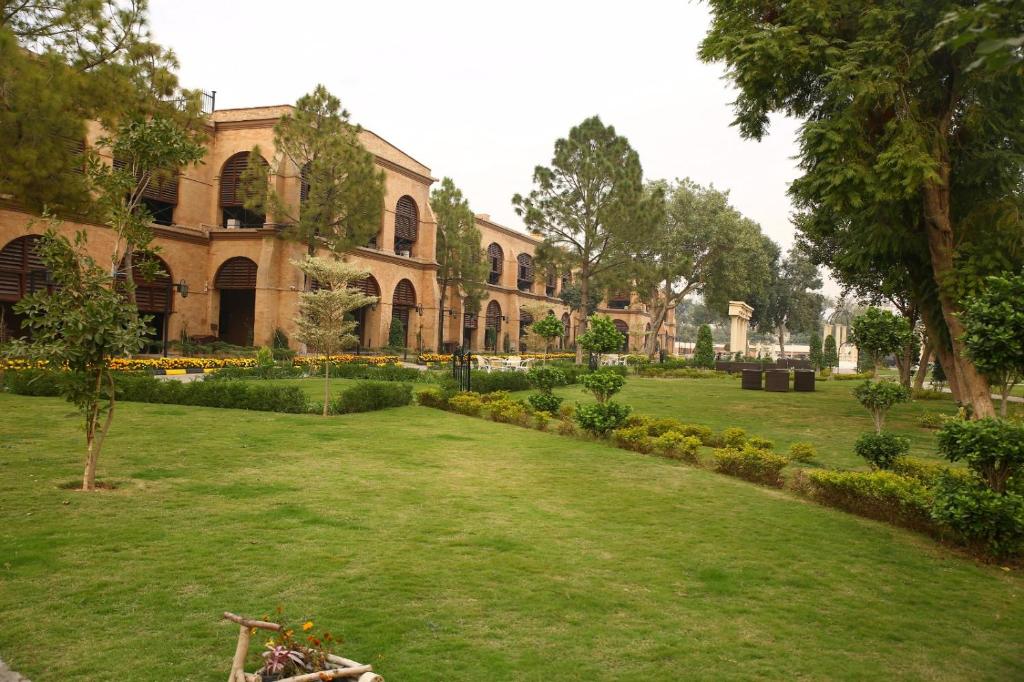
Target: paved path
{"points": [[995, 396], [8, 675]]}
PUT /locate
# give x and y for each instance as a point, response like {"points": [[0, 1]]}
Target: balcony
{"points": [[524, 284]]}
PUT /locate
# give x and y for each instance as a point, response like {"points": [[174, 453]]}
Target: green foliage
{"points": [[33, 382], [830, 354], [734, 437], [344, 202], [750, 463], [925, 470], [548, 328], [489, 382], [675, 445], [239, 395], [816, 355], [881, 449], [633, 438], [994, 338], [760, 443], [601, 336], [931, 420], [468, 403], [938, 374], [545, 402], [805, 453], [460, 258], [396, 333], [367, 396], [882, 495], [507, 411], [272, 371], [358, 370], [789, 301], [878, 333], [81, 325], [853, 376], [878, 397], [546, 378], [704, 350], [432, 397], [981, 516], [603, 384], [600, 418], [991, 448]]}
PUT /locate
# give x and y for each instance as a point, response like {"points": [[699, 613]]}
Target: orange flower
{"points": [[307, 626]]}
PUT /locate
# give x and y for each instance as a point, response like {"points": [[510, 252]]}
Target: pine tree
{"points": [[704, 351], [817, 357], [830, 354]]}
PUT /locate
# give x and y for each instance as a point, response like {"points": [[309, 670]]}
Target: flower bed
{"points": [[433, 358], [186, 363]]}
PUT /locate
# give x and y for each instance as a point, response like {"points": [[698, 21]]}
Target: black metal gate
{"points": [[462, 363]]}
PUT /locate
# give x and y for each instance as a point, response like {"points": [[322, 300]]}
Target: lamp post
{"points": [[182, 288]]}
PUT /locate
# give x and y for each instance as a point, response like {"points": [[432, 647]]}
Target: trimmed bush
{"points": [[633, 438], [228, 394], [979, 516], [603, 383], [759, 466], [677, 446], [32, 382], [466, 403], [546, 378], [566, 428], [929, 394], [507, 411], [858, 376], [367, 396], [432, 397], [545, 402], [991, 448], [541, 419], [878, 397], [760, 443], [734, 438], [881, 495], [600, 418], [489, 382], [803, 452], [258, 372], [704, 433], [880, 449], [931, 420], [926, 471], [661, 372]]}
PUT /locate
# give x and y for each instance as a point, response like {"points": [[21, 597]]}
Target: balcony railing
{"points": [[207, 101]]}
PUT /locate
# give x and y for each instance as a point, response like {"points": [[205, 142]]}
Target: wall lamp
{"points": [[182, 288]]}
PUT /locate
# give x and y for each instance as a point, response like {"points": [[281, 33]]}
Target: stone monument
{"points": [[739, 320]]}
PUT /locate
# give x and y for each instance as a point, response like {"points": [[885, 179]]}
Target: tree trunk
{"points": [[922, 366], [782, 341], [660, 313], [129, 264], [581, 326], [973, 385], [327, 384]]}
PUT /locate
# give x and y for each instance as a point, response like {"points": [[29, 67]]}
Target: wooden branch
{"points": [[262, 624], [344, 662], [330, 674], [241, 651]]}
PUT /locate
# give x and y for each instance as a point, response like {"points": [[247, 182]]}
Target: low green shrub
{"points": [[991, 448], [759, 466], [466, 403], [633, 438], [545, 378], [760, 443], [259, 372], [805, 453], [858, 376], [432, 397], [927, 471], [880, 449], [566, 411], [544, 402], [32, 382], [979, 516], [541, 420], [931, 420], [507, 411], [882, 495], [704, 433], [929, 394], [489, 382], [600, 418], [566, 428], [661, 372], [603, 383], [357, 370], [367, 396], [240, 395], [733, 437], [675, 445], [658, 427]]}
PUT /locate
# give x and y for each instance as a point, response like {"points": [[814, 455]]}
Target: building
{"points": [[242, 287]]}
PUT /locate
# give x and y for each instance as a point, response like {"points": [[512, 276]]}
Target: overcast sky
{"points": [[479, 91]]}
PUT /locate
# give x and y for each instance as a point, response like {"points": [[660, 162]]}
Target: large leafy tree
{"points": [[907, 145], [342, 191], [994, 337], [701, 246], [460, 260], [324, 323], [878, 333], [77, 327], [789, 303], [590, 206], [66, 62]]}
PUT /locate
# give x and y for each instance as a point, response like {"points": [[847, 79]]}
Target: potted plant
{"points": [[287, 655]]}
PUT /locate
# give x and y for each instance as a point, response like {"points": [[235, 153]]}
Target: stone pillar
{"points": [[739, 320]]}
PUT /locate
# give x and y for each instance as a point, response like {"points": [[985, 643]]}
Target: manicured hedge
{"points": [[883, 495], [367, 396], [230, 394]]}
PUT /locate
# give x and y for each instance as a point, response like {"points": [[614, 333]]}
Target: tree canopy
{"points": [[790, 301], [460, 258]]}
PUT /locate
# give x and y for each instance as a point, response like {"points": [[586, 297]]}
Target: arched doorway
{"points": [[236, 284], [470, 323], [525, 320], [492, 326], [21, 273], [153, 295], [624, 330], [402, 303], [370, 287]]}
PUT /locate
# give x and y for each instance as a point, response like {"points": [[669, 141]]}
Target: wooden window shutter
{"points": [[497, 258], [407, 220], [236, 273], [405, 295], [231, 179]]}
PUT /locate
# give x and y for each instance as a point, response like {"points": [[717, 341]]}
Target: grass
{"points": [[446, 547], [830, 417]]}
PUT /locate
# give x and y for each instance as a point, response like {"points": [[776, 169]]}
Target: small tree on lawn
{"points": [[938, 375], [830, 354], [83, 323], [994, 337], [816, 356], [548, 328], [704, 350], [322, 324], [396, 334], [601, 336], [877, 397], [878, 333]]}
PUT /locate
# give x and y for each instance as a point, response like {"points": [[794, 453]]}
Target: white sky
{"points": [[479, 91]]}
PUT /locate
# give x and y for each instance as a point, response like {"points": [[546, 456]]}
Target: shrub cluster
{"points": [[750, 463], [231, 394], [883, 495], [367, 396], [881, 449], [979, 516], [805, 453], [663, 372], [600, 418], [931, 420], [272, 371]]}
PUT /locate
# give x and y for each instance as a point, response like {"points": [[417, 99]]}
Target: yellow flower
{"points": [[307, 626]]}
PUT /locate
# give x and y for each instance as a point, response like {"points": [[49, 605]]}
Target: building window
{"points": [[497, 258], [21, 273], [407, 223], [618, 301], [232, 195], [549, 286], [492, 326], [524, 274], [161, 194], [623, 329]]}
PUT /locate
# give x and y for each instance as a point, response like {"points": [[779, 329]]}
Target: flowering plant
{"points": [[288, 653]]}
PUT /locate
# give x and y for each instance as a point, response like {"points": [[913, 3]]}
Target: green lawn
{"points": [[830, 417], [446, 547]]}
